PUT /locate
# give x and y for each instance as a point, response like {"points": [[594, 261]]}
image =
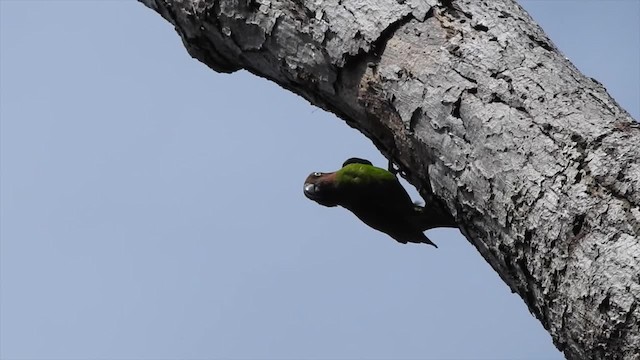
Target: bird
{"points": [[377, 198]]}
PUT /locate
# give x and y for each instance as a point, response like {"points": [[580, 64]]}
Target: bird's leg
{"points": [[395, 169], [392, 168]]}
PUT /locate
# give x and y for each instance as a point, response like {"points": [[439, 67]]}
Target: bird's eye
{"points": [[317, 174]]}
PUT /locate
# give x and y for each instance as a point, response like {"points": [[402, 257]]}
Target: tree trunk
{"points": [[537, 163]]}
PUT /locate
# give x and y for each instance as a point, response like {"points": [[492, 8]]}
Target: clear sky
{"points": [[153, 209]]}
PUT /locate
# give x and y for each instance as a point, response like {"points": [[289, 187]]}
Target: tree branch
{"points": [[538, 164]]}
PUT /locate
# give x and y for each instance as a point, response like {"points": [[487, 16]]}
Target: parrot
{"points": [[377, 198]]}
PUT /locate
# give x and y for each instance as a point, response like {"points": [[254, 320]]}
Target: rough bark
{"points": [[538, 164]]}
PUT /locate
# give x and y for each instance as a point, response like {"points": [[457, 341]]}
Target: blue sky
{"points": [[153, 209]]}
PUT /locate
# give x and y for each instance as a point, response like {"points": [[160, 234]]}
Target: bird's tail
{"points": [[424, 240], [429, 217]]}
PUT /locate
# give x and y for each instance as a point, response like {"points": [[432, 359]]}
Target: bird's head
{"points": [[321, 188]]}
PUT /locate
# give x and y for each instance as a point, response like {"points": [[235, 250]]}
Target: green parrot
{"points": [[377, 198]]}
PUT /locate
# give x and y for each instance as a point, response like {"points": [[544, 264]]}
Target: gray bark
{"points": [[537, 163]]}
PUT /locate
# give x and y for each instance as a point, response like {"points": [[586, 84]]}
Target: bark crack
{"points": [[377, 46]]}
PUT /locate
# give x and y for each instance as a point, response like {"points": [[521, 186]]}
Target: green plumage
{"points": [[376, 197], [363, 174]]}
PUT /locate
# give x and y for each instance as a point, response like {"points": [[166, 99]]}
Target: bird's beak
{"points": [[310, 191], [319, 193]]}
